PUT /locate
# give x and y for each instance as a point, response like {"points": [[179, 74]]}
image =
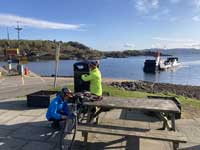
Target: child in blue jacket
{"points": [[58, 109]]}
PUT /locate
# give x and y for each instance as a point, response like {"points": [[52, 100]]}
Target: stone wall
{"points": [[184, 90]]}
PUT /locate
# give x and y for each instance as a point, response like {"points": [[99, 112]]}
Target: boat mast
{"points": [[157, 58]]}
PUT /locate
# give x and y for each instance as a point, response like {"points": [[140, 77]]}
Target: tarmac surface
{"points": [[25, 128], [15, 86]]}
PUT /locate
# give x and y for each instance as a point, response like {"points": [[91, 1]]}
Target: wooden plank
{"points": [[157, 105], [125, 123], [122, 131]]}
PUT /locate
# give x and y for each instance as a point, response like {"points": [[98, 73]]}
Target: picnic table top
{"points": [[156, 105]]}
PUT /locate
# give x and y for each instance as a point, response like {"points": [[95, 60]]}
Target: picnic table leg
{"points": [[132, 143], [175, 144], [85, 138], [173, 121], [85, 134], [165, 122]]}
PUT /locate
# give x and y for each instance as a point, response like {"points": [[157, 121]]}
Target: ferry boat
{"points": [[158, 64], [169, 63]]}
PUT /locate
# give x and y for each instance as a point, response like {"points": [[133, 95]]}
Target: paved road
{"points": [[24, 128], [14, 86], [27, 129]]}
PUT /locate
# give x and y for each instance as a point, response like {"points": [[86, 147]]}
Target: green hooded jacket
{"points": [[95, 81]]}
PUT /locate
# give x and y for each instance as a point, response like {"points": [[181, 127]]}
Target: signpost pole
{"points": [[56, 64], [22, 73]]}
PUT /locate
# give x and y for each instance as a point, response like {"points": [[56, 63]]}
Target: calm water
{"points": [[130, 68]]}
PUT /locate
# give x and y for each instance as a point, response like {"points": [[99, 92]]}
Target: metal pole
{"points": [[8, 36], [56, 63], [18, 32]]}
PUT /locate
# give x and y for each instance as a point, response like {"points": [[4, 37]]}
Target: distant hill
{"points": [[45, 49]]}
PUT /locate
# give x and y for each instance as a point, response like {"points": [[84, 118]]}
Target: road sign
{"points": [[24, 60], [12, 52]]}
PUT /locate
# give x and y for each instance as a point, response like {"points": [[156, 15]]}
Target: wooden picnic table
{"points": [[157, 105], [162, 106], [143, 104]]}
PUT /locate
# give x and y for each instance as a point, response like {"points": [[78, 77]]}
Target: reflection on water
{"points": [[152, 77]]}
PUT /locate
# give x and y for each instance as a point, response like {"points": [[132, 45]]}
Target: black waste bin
{"points": [[81, 68]]}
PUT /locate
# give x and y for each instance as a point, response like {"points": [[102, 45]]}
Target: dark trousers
{"points": [[56, 122]]}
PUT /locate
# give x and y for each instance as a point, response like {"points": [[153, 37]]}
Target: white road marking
{"points": [[22, 80]]}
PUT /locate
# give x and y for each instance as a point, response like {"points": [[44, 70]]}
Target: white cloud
{"points": [[155, 3], [160, 14], [197, 3], [192, 45], [172, 39], [175, 42], [157, 45], [128, 45], [140, 6], [144, 6], [11, 20], [196, 18]]}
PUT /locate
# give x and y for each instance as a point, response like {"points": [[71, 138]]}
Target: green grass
{"points": [[20, 96], [185, 102], [122, 93], [189, 102]]}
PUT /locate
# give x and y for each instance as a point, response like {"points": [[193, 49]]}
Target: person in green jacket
{"points": [[95, 79], [95, 84]]}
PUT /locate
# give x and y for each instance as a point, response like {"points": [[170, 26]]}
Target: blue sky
{"points": [[106, 24]]}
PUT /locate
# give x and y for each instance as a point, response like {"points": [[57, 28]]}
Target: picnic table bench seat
{"points": [[127, 129]]}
